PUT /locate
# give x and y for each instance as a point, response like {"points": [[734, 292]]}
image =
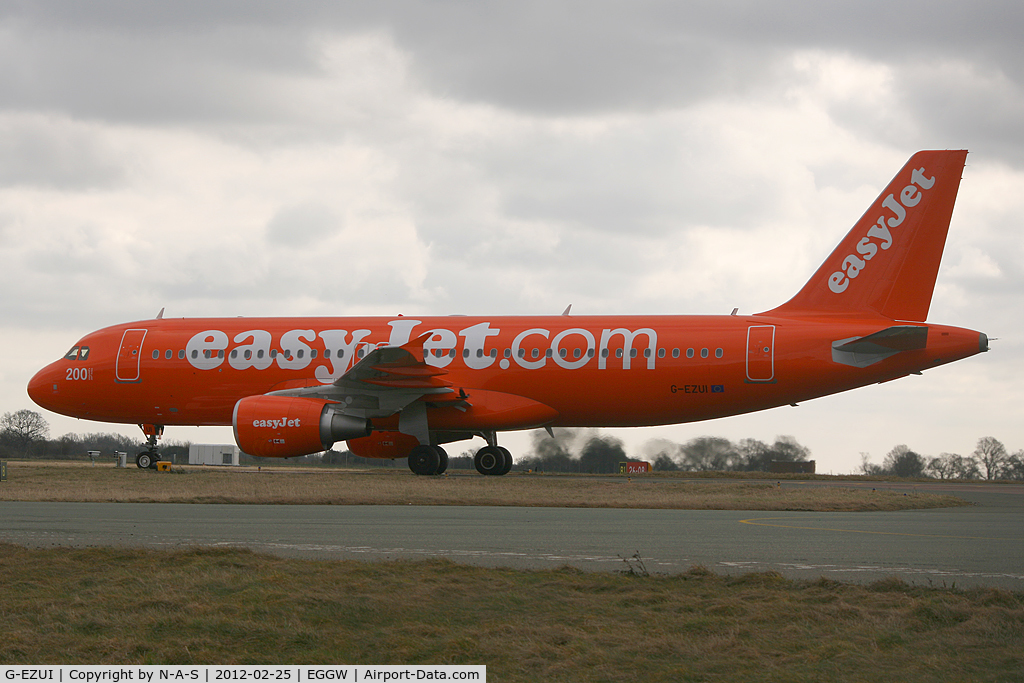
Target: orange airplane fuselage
{"points": [[611, 371]]}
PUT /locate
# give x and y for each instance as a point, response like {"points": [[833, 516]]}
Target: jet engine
{"points": [[284, 426]]}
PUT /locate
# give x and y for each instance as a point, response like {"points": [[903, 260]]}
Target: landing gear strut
{"points": [[148, 458]]}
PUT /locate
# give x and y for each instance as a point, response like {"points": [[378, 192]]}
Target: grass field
{"points": [[80, 482], [121, 606], [205, 606]]}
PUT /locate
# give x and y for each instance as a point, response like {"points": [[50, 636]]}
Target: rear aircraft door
{"points": [[761, 353], [129, 355]]}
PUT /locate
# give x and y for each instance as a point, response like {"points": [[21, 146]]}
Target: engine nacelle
{"points": [[284, 427], [383, 445]]}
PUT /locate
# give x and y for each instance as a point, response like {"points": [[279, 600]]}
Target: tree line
{"points": [[990, 460], [585, 450]]}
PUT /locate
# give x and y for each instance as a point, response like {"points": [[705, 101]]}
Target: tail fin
{"points": [[888, 262]]}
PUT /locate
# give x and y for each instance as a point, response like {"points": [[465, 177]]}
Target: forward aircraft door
{"points": [[761, 353], [129, 355]]}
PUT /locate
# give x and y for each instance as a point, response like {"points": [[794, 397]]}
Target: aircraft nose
{"points": [[42, 387]]}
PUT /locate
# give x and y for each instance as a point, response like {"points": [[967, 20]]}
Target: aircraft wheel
{"points": [[144, 460], [442, 464], [425, 460], [490, 460], [508, 461]]}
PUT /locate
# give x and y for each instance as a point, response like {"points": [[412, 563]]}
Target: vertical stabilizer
{"points": [[886, 265]]}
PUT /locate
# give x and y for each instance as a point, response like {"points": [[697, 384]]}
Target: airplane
{"points": [[401, 387]]}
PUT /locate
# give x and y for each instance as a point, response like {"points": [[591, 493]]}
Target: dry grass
{"points": [[33, 481], [126, 606]]}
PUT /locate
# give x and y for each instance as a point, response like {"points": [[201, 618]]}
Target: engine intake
{"points": [[284, 426]]}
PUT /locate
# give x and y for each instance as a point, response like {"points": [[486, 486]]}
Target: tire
{"points": [[144, 460], [508, 462], [490, 460], [442, 460], [424, 460]]}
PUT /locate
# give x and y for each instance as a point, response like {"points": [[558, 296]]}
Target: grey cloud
{"points": [[531, 55], [45, 153], [302, 225]]}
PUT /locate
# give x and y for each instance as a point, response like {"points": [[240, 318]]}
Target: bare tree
{"points": [[22, 428], [992, 455], [1013, 468], [940, 467]]}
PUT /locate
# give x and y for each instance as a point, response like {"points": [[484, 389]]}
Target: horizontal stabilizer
{"points": [[861, 352]]}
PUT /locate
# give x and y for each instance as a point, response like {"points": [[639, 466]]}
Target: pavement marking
{"points": [[760, 521]]}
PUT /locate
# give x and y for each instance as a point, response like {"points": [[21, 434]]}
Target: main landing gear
{"points": [[493, 461], [148, 458], [489, 460], [428, 460]]}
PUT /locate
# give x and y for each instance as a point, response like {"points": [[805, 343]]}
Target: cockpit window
{"points": [[77, 353]]}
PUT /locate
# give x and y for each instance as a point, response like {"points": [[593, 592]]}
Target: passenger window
{"points": [[590, 353], [273, 353], [576, 353], [72, 354], [312, 353], [327, 353], [301, 352], [465, 353], [661, 353], [168, 354], [181, 354], [675, 353], [703, 353], [508, 353], [522, 353], [689, 353], [719, 353], [618, 353], [195, 353], [548, 353], [259, 354], [494, 353], [234, 353], [156, 354]]}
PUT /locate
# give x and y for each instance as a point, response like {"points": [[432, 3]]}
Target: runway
{"points": [[982, 545]]}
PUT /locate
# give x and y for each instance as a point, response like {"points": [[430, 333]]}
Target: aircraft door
{"points": [[761, 353], [129, 355]]}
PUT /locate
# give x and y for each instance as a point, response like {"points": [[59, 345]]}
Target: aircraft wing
{"points": [[861, 352], [383, 382]]}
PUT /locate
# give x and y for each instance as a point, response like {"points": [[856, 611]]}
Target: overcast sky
{"points": [[246, 158]]}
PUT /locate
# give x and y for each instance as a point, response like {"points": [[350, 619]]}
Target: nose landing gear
{"points": [[148, 458]]}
